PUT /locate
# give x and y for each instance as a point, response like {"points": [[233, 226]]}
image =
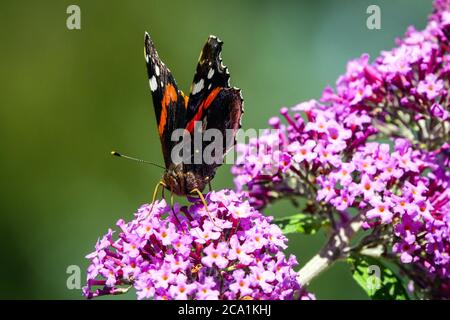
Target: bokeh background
{"points": [[68, 97]]}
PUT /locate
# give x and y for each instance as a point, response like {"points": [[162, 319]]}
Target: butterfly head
{"points": [[181, 181]]}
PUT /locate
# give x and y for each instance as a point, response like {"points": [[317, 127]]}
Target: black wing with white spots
{"points": [[169, 102], [214, 105], [210, 75]]}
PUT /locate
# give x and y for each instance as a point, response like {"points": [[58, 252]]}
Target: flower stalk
{"points": [[337, 247]]}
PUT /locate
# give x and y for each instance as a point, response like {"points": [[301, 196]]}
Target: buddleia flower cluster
{"points": [[377, 145], [230, 252]]}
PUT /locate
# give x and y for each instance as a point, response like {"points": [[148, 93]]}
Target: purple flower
{"points": [[263, 278], [430, 86], [181, 289], [343, 201], [215, 255], [381, 209], [238, 251], [439, 112], [302, 152], [328, 190], [343, 175], [241, 284], [206, 291], [368, 187]]}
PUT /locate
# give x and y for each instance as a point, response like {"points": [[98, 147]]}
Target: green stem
{"points": [[337, 247]]}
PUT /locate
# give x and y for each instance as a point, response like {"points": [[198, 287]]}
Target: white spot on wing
{"points": [[147, 58], [209, 87], [153, 84], [210, 73], [157, 70], [198, 87]]}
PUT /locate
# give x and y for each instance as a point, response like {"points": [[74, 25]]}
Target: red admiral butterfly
{"points": [[212, 103]]}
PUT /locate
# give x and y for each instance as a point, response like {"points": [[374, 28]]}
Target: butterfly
{"points": [[211, 104]]}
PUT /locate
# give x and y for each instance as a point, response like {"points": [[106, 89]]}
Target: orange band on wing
{"points": [[211, 97], [203, 106], [170, 95], [186, 100]]}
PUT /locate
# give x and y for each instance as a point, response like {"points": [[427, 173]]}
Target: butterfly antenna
{"points": [[117, 154]]}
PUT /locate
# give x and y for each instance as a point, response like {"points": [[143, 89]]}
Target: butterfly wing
{"points": [[222, 115], [212, 105], [169, 103], [210, 75]]}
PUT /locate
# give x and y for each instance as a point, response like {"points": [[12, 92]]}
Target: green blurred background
{"points": [[68, 97]]}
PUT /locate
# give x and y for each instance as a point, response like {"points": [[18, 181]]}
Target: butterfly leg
{"points": [[163, 196], [161, 183], [197, 192], [209, 186], [173, 210]]}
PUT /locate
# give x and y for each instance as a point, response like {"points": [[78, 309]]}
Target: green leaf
{"points": [[377, 280], [300, 223]]}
